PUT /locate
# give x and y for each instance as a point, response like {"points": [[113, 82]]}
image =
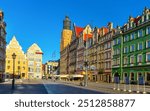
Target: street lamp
{"points": [[86, 75], [13, 81]]}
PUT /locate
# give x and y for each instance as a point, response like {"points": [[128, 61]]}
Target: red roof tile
{"points": [[137, 19], [78, 30], [87, 35]]}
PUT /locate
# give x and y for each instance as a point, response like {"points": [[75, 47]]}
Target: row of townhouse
{"points": [[107, 51], [26, 65], [131, 48], [2, 45]]}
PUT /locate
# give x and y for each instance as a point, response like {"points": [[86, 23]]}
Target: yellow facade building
{"points": [[50, 67], [20, 61], [34, 56]]}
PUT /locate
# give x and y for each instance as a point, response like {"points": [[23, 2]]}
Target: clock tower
{"points": [[66, 33]]}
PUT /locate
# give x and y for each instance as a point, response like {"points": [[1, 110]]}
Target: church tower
{"points": [[66, 33]]}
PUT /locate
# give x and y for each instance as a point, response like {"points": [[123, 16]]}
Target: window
{"points": [[106, 46], [8, 67], [118, 51], [126, 50], [140, 46], [148, 57], [118, 61], [139, 58], [115, 41], [109, 45], [119, 41], [148, 30], [8, 61], [126, 38], [115, 52], [132, 48], [18, 62], [18, 67], [115, 62], [125, 60], [132, 59], [140, 33], [132, 36], [23, 68], [148, 44]]}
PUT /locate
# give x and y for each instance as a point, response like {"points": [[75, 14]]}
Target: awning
{"points": [[64, 76], [77, 76]]}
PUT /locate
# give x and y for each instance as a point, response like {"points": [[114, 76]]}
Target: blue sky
{"points": [[40, 21]]}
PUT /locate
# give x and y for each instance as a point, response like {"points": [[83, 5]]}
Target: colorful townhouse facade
{"points": [[107, 40], [122, 51], [131, 49], [34, 58], [20, 68], [100, 53], [2, 45]]}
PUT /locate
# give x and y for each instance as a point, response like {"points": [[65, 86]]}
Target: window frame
{"points": [[139, 46], [138, 60]]}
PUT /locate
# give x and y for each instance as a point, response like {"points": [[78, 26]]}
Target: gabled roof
{"points": [[103, 30], [78, 30], [87, 36], [137, 19]]}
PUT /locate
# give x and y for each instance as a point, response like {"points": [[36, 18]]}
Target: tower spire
{"points": [[67, 23]]}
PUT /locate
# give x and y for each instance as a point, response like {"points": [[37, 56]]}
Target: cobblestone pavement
{"points": [[67, 87], [109, 87], [61, 88]]}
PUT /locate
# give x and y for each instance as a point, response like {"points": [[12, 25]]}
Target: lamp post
{"points": [[13, 81]]}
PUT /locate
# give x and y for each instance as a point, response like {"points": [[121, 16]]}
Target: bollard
{"points": [[114, 86], [114, 83], [138, 87], [118, 87], [144, 91], [125, 87], [130, 86]]}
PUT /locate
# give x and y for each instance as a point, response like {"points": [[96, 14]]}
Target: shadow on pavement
{"points": [[23, 89]]}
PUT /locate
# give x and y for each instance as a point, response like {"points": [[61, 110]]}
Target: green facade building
{"points": [[131, 49]]}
